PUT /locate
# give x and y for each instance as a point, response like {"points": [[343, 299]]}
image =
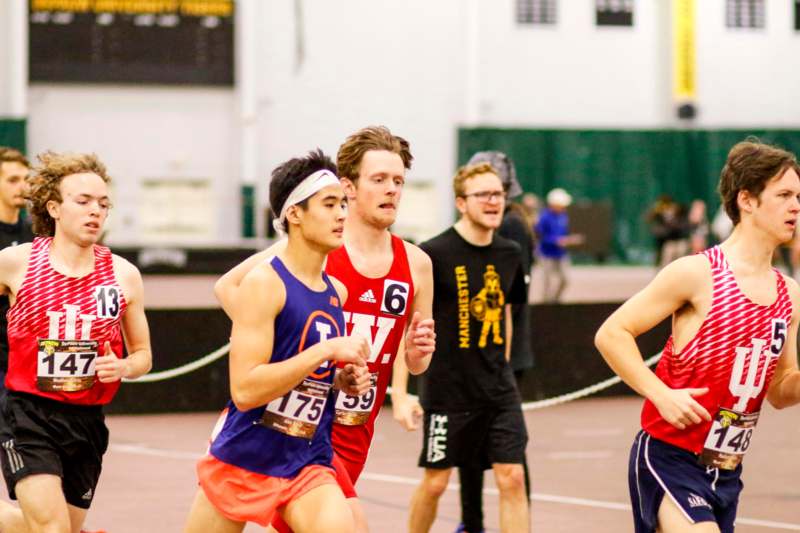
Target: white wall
{"points": [[405, 65], [6, 52], [141, 133], [748, 77], [573, 73], [379, 62], [13, 58]]}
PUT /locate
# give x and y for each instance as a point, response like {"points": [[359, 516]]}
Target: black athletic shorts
{"points": [[483, 437], [43, 436]]}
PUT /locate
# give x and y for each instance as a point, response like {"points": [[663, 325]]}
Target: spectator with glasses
{"points": [[473, 412]]}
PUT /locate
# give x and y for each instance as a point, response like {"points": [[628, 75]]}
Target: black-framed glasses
{"points": [[487, 196]]}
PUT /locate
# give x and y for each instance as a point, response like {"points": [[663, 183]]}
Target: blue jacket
{"points": [[550, 228]]}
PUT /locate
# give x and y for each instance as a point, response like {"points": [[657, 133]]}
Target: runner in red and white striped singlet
{"points": [[71, 300], [52, 306], [733, 344], [734, 354]]}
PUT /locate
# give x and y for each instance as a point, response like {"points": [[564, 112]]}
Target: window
{"points": [[536, 11], [745, 13], [614, 12]]}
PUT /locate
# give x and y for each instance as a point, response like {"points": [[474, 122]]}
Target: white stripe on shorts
{"points": [[660, 482], [636, 467], [14, 458]]}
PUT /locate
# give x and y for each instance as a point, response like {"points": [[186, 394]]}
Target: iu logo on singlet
{"points": [[749, 386], [73, 319]]}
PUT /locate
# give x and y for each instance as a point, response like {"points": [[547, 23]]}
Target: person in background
{"points": [[670, 229], [472, 406], [516, 227], [14, 229], [554, 239], [698, 226]]}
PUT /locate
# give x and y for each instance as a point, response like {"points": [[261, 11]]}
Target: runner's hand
{"points": [[352, 380], [407, 411], [109, 367], [679, 408], [353, 349], [420, 337]]}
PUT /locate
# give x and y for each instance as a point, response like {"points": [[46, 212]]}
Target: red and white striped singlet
{"points": [[735, 335], [52, 306]]}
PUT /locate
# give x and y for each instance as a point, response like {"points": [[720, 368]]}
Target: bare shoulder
{"points": [[124, 268], [416, 257], [262, 286], [690, 271], [129, 279], [341, 289], [16, 254], [274, 248], [14, 265], [794, 290]]}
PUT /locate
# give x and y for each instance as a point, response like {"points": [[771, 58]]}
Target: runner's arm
{"points": [[352, 379], [420, 339], [254, 380], [784, 390], [226, 287], [673, 288], [135, 331], [13, 266], [406, 409]]}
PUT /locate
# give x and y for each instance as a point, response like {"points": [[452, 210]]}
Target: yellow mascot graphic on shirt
{"points": [[487, 306]]}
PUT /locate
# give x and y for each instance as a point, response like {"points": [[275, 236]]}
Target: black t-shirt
{"points": [[471, 285], [10, 235]]}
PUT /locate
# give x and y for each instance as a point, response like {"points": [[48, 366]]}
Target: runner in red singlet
{"points": [[389, 283], [71, 302], [733, 343]]}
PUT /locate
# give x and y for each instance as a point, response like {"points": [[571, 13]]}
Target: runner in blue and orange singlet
{"points": [[271, 451]]}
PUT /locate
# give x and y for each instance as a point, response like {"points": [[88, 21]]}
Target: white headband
{"points": [[305, 189]]}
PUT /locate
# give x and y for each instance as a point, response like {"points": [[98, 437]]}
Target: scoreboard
{"points": [[186, 42]]}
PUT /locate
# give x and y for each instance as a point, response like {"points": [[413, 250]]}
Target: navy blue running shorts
{"points": [[703, 494]]}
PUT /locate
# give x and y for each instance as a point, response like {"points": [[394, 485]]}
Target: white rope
{"points": [[528, 406], [181, 370], [591, 389], [564, 398]]}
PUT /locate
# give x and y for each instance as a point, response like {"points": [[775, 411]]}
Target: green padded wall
{"points": [[628, 167], [12, 133]]}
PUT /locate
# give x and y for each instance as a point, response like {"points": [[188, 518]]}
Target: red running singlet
{"points": [[377, 309], [59, 324], [734, 354]]}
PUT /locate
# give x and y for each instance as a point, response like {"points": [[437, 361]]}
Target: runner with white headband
{"points": [[271, 452], [390, 282], [304, 190]]}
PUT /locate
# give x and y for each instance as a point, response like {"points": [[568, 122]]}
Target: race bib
{"points": [[355, 410], [729, 439], [65, 365], [299, 411]]}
